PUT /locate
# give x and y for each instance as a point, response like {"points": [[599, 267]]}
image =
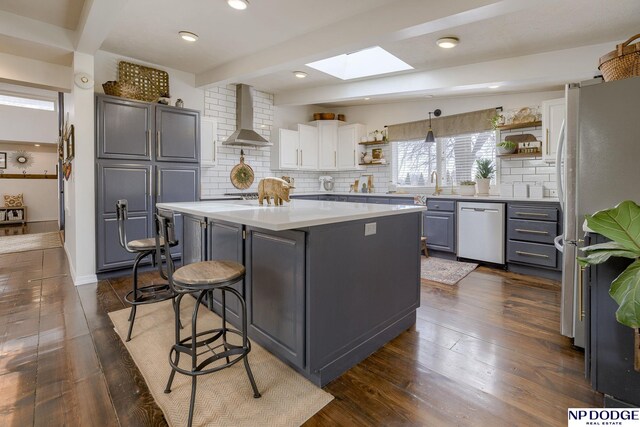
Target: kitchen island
{"points": [[327, 283]]}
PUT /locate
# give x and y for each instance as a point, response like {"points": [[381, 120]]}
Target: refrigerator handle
{"points": [[561, 140]]}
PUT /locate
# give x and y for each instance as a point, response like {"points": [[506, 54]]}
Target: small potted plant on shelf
{"points": [[484, 173], [467, 188], [621, 224], [497, 121], [506, 147]]}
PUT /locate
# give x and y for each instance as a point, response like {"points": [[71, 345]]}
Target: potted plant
{"points": [[497, 121], [377, 135], [507, 147], [485, 172], [467, 188], [621, 224]]}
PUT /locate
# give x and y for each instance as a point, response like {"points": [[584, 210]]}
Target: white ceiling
{"points": [[262, 45], [61, 13]]}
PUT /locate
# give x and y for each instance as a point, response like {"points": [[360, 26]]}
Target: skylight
{"points": [[364, 63], [18, 101]]}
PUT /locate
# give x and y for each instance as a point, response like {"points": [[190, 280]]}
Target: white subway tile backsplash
{"points": [[522, 171], [511, 163]]}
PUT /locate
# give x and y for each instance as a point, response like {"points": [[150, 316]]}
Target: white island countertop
{"points": [[292, 215]]}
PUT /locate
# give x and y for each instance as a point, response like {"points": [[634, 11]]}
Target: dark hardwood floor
{"points": [[28, 228], [485, 352]]}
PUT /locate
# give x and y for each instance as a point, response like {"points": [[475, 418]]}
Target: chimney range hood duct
{"points": [[245, 136]]}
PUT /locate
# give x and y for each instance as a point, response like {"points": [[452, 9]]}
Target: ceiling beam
{"points": [[399, 20], [550, 68], [20, 27], [96, 21], [34, 73]]}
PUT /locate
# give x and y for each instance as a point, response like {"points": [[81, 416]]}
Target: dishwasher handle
{"points": [[479, 210]]}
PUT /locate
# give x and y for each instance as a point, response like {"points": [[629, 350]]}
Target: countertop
{"points": [[496, 198], [293, 215]]}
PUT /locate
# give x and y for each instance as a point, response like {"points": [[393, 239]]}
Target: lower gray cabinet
{"points": [[226, 243], [115, 181], [276, 292], [440, 230]]}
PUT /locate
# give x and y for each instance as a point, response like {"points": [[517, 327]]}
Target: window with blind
{"points": [[454, 158]]}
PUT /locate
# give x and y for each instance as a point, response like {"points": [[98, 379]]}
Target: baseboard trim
{"points": [[81, 280]]}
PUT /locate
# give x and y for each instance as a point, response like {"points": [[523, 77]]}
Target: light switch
{"points": [[370, 229]]}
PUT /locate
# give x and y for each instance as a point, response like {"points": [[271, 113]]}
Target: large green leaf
{"points": [[597, 254], [620, 224], [625, 289]]}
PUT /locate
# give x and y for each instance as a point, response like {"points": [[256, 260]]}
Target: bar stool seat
{"points": [[144, 244], [208, 273]]}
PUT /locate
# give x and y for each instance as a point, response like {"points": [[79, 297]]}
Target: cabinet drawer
{"points": [[401, 201], [378, 200], [532, 231], [441, 205], [533, 212], [532, 253]]}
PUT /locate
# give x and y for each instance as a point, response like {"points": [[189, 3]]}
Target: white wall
{"points": [[181, 84], [40, 197]]}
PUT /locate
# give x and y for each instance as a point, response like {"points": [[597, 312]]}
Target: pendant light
{"points": [[430, 136]]}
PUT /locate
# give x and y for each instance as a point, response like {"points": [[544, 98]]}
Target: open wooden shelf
{"points": [[28, 176], [373, 143], [520, 125], [373, 164], [538, 154]]}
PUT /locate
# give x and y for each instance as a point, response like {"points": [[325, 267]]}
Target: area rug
{"points": [[223, 398], [29, 242], [444, 270]]}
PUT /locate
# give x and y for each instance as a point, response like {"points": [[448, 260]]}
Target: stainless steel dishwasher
{"points": [[481, 231]]}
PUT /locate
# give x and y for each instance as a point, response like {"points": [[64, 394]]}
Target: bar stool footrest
{"points": [[150, 294]]}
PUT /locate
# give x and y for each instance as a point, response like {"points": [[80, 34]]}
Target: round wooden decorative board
{"points": [[242, 175]]}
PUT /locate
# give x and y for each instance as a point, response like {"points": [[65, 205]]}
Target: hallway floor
{"points": [[485, 352]]}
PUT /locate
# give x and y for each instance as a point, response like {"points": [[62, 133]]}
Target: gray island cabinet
{"points": [[327, 283]]}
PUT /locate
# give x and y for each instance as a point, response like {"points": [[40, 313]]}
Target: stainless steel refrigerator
{"points": [[598, 166]]}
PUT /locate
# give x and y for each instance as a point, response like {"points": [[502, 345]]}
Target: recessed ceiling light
{"points": [[188, 36], [300, 74], [238, 4], [494, 86], [37, 145], [366, 99], [448, 42]]}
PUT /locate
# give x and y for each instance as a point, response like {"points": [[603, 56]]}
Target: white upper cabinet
{"points": [[285, 153], [553, 114], [308, 136], [348, 139], [328, 140], [208, 141]]}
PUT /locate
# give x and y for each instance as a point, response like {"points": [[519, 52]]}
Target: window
{"points": [[19, 101], [454, 158]]}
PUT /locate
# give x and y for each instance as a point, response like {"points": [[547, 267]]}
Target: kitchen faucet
{"points": [[438, 189]]}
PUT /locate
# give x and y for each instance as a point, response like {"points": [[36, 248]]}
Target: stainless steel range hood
{"points": [[245, 136]]}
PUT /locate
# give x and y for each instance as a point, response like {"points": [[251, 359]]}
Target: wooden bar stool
{"points": [[423, 246], [199, 279], [143, 248]]}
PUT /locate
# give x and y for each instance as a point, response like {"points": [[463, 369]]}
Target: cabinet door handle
{"points": [[158, 187], [335, 159], [297, 157], [532, 214], [580, 295], [158, 136], [149, 141], [215, 154], [301, 161], [354, 158], [524, 230], [532, 254], [547, 140]]}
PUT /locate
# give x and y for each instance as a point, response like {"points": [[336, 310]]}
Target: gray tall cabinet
{"points": [[145, 153]]}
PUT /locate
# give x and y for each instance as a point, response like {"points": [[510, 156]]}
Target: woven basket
{"points": [[622, 63], [153, 83], [122, 89]]}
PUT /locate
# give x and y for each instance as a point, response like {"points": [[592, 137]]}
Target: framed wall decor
{"points": [[70, 144], [3, 160]]}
